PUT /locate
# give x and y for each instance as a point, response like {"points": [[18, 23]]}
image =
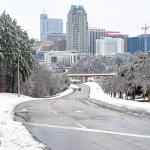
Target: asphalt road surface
{"points": [[74, 123]]}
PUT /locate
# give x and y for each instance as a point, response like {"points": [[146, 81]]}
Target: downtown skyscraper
{"points": [[94, 34], [77, 30], [49, 26]]}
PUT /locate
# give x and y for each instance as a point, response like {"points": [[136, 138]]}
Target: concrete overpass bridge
{"points": [[86, 76]]}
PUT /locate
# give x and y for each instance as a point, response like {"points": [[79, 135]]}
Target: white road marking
{"points": [[24, 109], [91, 130], [55, 112], [80, 126], [79, 111]]}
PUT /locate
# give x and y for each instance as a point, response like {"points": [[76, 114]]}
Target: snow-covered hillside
{"points": [[97, 93]]}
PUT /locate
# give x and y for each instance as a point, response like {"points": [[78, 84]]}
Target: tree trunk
{"points": [[13, 82], [133, 96], [114, 94], [126, 95], [120, 95], [111, 94], [3, 72], [148, 95]]}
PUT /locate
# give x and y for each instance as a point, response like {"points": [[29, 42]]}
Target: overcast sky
{"points": [[126, 16]]}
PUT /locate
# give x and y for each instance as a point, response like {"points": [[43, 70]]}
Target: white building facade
{"points": [[109, 46]]}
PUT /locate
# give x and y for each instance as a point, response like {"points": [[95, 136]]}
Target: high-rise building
{"points": [[109, 46], [55, 26], [49, 26], [133, 44], [77, 30], [43, 26], [140, 43], [94, 34], [117, 34]]}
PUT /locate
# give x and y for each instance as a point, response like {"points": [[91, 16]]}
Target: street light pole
{"points": [[18, 77]]}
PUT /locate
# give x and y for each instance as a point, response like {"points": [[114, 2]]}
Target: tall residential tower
{"points": [[77, 30]]}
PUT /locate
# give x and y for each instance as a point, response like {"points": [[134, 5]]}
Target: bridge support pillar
{"points": [[86, 79], [81, 79]]}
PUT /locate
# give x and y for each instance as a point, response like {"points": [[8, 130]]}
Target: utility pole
{"points": [[18, 77], [145, 28]]}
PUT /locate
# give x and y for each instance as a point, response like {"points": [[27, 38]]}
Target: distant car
{"points": [[79, 89]]}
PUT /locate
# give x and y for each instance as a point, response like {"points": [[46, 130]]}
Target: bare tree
{"points": [[42, 83]]}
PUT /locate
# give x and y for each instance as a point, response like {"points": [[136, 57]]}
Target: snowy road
{"points": [[75, 123]]}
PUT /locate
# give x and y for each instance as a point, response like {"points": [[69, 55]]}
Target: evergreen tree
{"points": [[14, 44]]}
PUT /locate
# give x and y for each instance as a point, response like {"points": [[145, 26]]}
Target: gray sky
{"points": [[126, 16]]}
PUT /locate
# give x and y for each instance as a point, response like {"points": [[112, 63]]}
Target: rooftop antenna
{"points": [[44, 11], [145, 28]]}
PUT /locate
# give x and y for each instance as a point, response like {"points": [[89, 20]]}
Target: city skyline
{"points": [[125, 16]]}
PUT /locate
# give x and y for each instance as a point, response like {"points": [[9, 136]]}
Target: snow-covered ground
{"points": [[96, 92], [13, 135]]}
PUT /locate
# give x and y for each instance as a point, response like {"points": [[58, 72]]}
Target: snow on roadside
{"points": [[13, 135], [66, 92], [74, 86], [96, 92]]}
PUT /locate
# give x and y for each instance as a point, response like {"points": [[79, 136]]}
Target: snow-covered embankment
{"points": [[97, 93], [13, 135]]}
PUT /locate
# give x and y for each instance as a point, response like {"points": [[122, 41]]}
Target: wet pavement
{"points": [[73, 122]]}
